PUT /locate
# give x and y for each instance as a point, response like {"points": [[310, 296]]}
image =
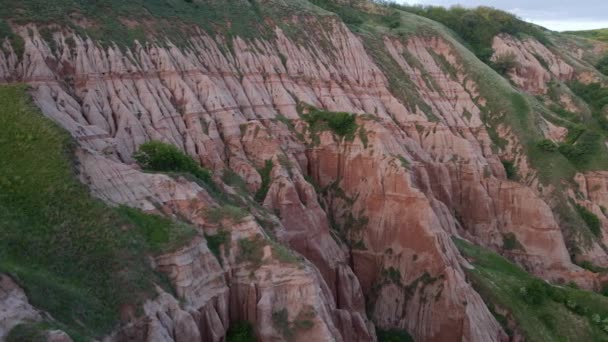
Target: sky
{"points": [[557, 15]]}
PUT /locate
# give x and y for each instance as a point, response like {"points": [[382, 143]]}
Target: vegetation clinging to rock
{"points": [[77, 258]]}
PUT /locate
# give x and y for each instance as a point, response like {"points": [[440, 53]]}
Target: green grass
{"points": [[600, 34], [155, 19], [163, 157], [591, 220], [160, 233], [77, 258], [543, 312], [264, 172], [393, 335], [226, 212], [215, 241], [252, 250], [240, 332], [341, 124]]}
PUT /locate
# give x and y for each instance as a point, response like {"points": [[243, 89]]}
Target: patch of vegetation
{"points": [[232, 179], [252, 250], [565, 114], [393, 335], [392, 274], [53, 233], [510, 169], [241, 331], [404, 162], [162, 157], [593, 93], [284, 254], [591, 220], [584, 150], [16, 41], [226, 212], [214, 242], [600, 34], [543, 312], [303, 321], [363, 136], [123, 21], [547, 145], [161, 234], [477, 26], [510, 242], [28, 332], [280, 320], [342, 124], [264, 172], [504, 63], [602, 65]]}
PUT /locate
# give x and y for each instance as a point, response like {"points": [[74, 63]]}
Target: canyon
{"points": [[352, 234]]}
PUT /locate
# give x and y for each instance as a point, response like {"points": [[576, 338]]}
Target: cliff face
{"points": [[371, 214]]}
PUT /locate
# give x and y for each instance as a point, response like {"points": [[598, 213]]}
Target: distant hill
{"points": [[599, 34]]}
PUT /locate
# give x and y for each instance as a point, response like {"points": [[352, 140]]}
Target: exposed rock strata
{"points": [[420, 176]]}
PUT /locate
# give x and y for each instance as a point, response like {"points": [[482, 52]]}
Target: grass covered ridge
{"points": [[76, 258], [599, 34], [543, 312]]}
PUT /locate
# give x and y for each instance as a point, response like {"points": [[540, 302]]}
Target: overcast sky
{"points": [[557, 15]]}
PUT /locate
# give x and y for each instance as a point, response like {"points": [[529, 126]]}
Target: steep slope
{"points": [[363, 148]]}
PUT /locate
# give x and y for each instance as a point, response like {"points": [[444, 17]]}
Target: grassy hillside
{"points": [[600, 34], [543, 312], [76, 258], [123, 21]]}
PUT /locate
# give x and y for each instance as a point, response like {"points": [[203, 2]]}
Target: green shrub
{"points": [[303, 321], [605, 290], [162, 157], [341, 123], [510, 169], [226, 212], [214, 242], [535, 292], [264, 172], [233, 179], [593, 93], [393, 335], [592, 221], [280, 320], [241, 331], [252, 250], [547, 145], [584, 150], [504, 63], [602, 65], [392, 274], [509, 242], [284, 254]]}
